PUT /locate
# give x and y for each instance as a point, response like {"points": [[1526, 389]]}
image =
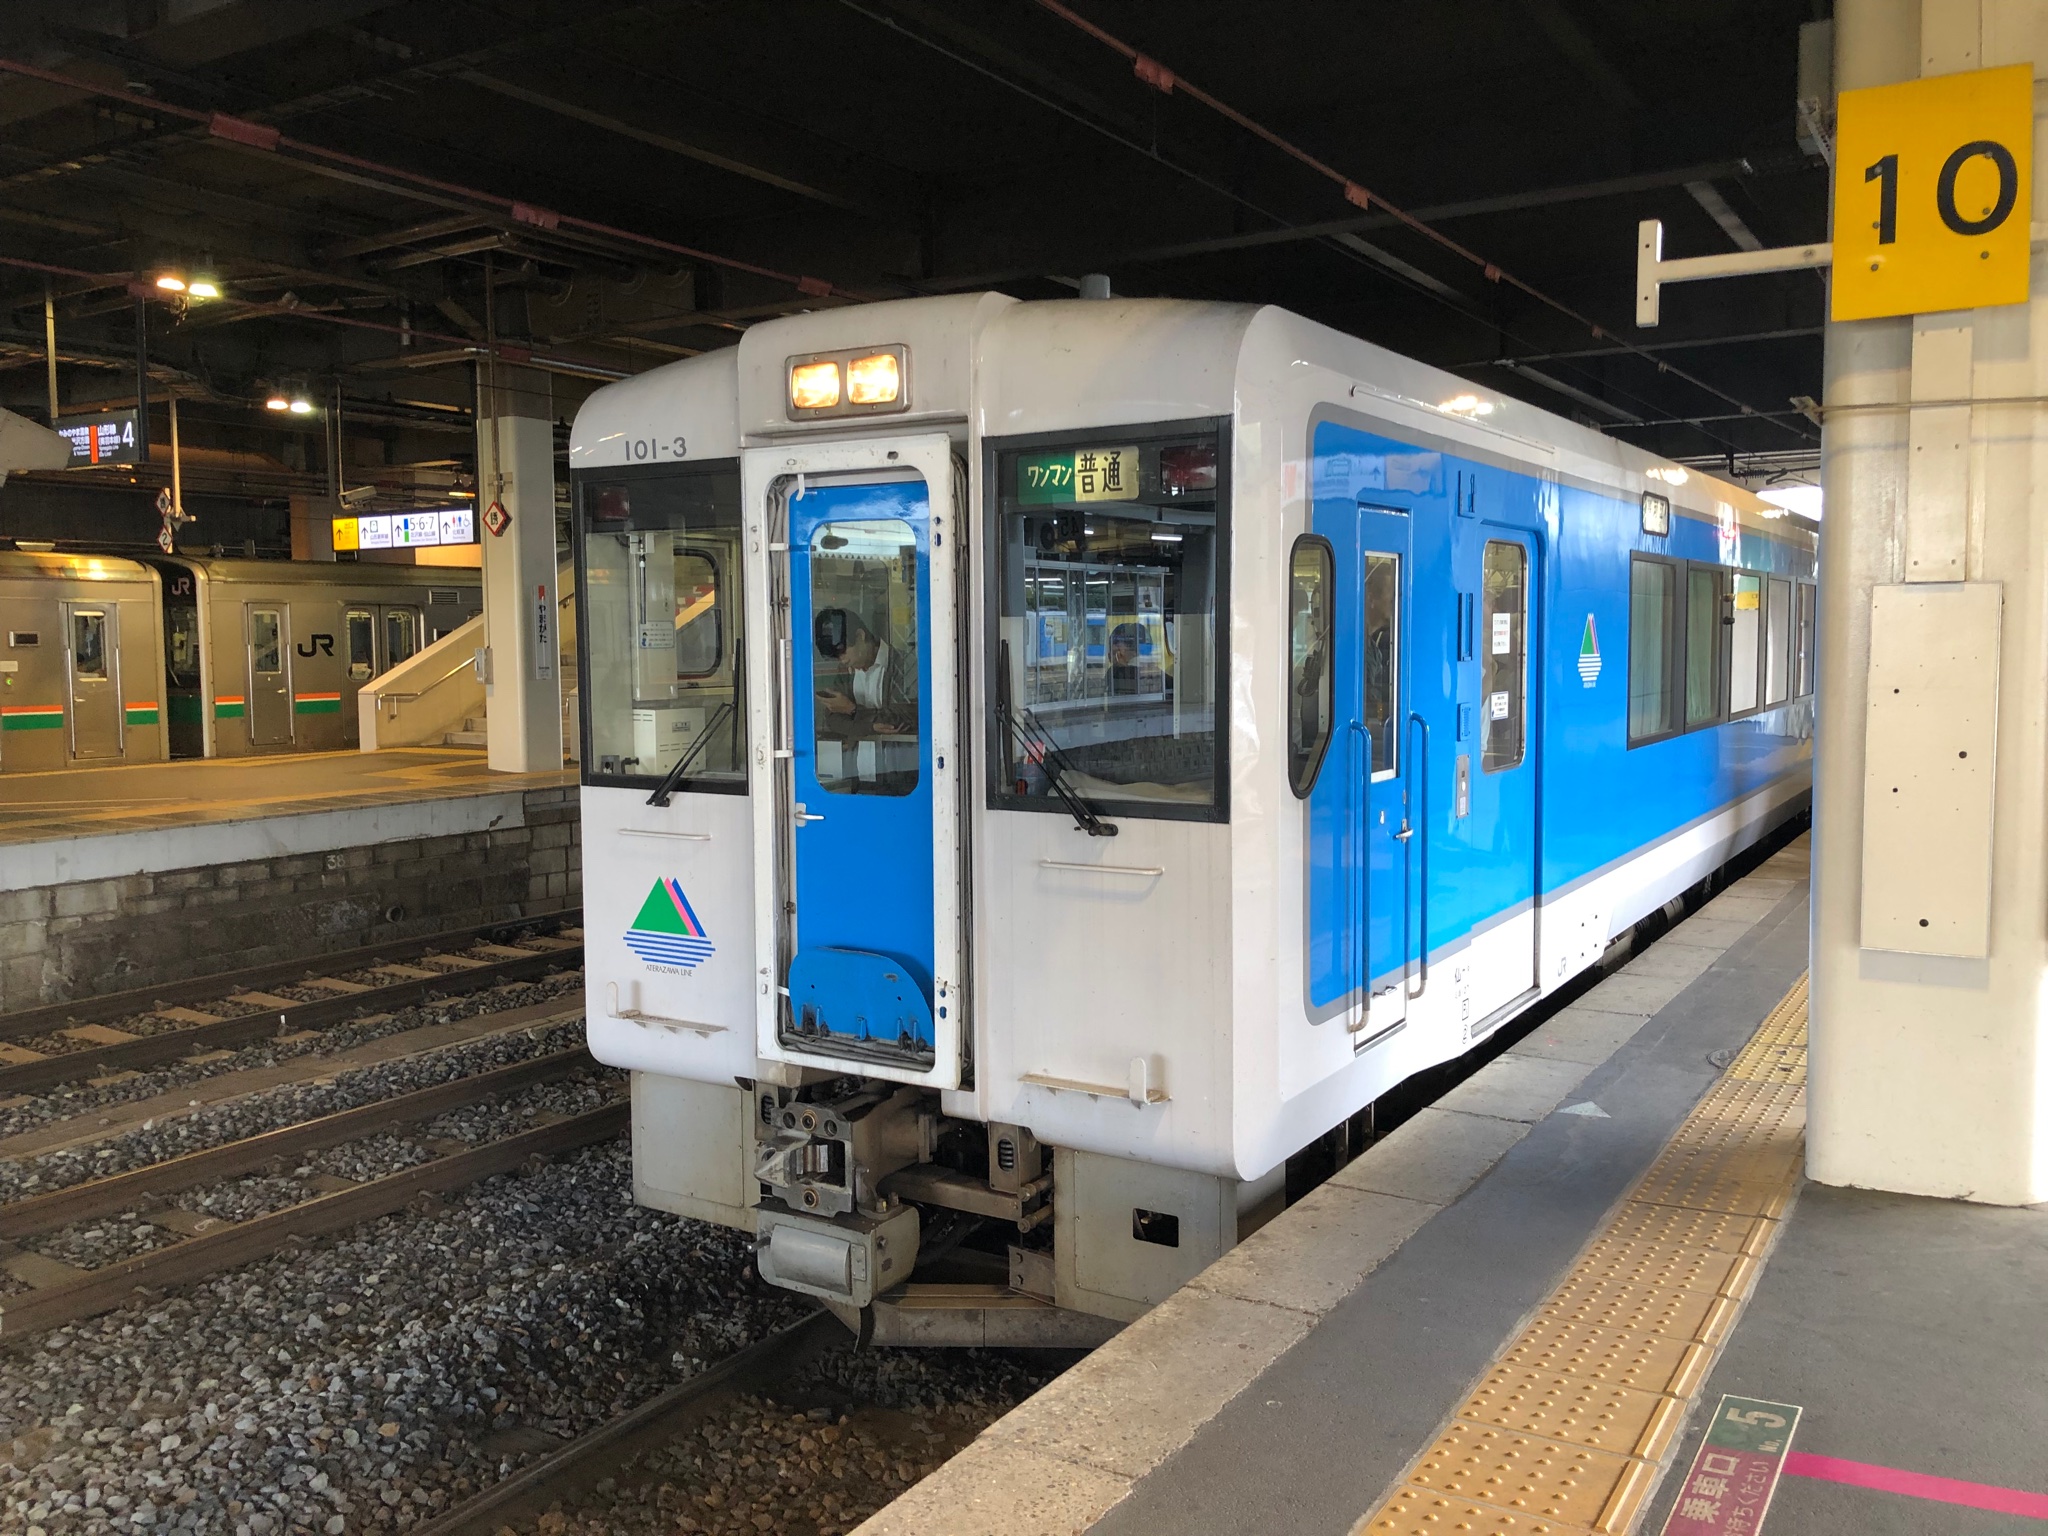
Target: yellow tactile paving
{"points": [[1564, 1433], [1521, 1473]]}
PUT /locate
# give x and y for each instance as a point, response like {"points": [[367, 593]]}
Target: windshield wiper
{"points": [[1022, 728], [683, 763]]}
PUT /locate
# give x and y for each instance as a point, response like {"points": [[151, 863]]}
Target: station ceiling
{"points": [[639, 181]]}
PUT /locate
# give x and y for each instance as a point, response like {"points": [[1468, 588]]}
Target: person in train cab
{"points": [[880, 698], [1125, 642]]}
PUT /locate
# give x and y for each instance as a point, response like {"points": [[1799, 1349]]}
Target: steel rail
{"points": [[115, 1005], [122, 1191], [102, 1290], [652, 1424], [249, 1028]]}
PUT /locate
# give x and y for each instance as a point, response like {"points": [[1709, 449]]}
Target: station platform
{"points": [[1522, 1311], [133, 874]]}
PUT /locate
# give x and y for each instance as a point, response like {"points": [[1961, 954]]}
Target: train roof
{"points": [[353, 573], [49, 562]]}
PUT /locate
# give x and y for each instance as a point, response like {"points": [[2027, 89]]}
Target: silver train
{"points": [[112, 660]]}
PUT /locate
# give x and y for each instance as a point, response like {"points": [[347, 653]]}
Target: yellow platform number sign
{"points": [[1934, 190]]}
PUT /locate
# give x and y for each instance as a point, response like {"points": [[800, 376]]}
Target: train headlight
{"points": [[814, 386], [875, 380]]}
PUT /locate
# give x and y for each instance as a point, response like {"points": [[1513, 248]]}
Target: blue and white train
{"points": [[1046, 764]]}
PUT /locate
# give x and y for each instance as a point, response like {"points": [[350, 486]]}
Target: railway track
{"points": [[73, 1042]]}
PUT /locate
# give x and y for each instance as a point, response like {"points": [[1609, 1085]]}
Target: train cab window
{"points": [[1804, 639], [660, 642], [1703, 628], [359, 627], [1108, 600], [266, 648], [1383, 662], [88, 643], [863, 624], [1745, 641], [1653, 632], [1504, 640], [1310, 683], [1777, 640], [401, 635]]}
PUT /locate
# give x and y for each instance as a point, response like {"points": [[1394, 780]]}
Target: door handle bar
{"points": [[1422, 821], [1360, 892]]}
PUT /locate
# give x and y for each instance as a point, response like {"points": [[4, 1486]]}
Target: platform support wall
{"points": [[1929, 1012], [516, 467]]}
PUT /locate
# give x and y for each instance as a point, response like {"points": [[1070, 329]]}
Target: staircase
{"points": [[471, 734]]}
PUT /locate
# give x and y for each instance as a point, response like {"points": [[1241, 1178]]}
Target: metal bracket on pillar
{"points": [[1653, 271]]}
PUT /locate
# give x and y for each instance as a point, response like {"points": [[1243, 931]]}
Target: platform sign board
{"points": [[1934, 194], [1728, 1491], [105, 437], [406, 530]]}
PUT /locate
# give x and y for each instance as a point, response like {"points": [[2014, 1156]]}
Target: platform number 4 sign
{"points": [[1934, 194]]}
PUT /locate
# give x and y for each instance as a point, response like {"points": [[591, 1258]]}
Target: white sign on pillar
{"points": [[516, 459]]}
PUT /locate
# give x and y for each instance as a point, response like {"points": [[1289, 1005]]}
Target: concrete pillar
{"points": [[313, 527], [516, 469], [1929, 1010]]}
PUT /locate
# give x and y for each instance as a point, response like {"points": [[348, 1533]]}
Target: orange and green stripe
{"points": [[316, 703], [142, 714], [228, 706], [31, 717]]}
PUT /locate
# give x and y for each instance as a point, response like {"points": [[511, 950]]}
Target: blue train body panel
{"points": [[1580, 798]]}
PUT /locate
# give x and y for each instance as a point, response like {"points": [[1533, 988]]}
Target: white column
{"points": [[516, 469], [1929, 1071]]}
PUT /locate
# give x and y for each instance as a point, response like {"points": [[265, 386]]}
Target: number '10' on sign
{"points": [[1934, 193]]}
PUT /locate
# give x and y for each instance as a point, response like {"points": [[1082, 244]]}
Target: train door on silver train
{"points": [[270, 679], [92, 658], [401, 636]]}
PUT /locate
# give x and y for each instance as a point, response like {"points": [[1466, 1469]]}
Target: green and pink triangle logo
{"points": [[1589, 654], [668, 931]]}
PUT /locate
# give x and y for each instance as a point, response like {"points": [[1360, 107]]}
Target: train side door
{"points": [[1380, 751], [1501, 781], [859, 659], [92, 659], [401, 636], [270, 679]]}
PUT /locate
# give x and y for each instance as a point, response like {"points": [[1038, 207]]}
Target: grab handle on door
{"points": [[1360, 777], [1422, 821]]}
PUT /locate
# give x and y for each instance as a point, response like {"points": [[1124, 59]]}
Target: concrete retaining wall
{"points": [[66, 940]]}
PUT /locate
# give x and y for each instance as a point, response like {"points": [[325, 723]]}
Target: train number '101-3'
{"points": [[644, 450]]}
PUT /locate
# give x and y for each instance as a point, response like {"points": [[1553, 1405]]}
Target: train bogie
{"points": [[1168, 728]]}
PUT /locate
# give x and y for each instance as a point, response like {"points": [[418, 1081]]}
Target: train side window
{"points": [[1805, 638], [1745, 642], [1703, 628], [266, 651], [361, 628], [1653, 637], [1310, 684], [699, 615], [401, 635], [88, 644], [1504, 639], [1777, 641], [1383, 662]]}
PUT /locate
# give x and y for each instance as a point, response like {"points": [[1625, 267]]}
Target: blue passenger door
{"points": [[1380, 760], [1501, 784], [860, 976]]}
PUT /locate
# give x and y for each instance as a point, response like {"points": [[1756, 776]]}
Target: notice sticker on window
{"points": [[1497, 705], [1503, 633]]}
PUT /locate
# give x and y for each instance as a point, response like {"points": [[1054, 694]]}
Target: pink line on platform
{"points": [[1918, 1485]]}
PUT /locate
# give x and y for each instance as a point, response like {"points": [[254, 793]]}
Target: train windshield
{"points": [[1110, 614], [658, 582]]}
